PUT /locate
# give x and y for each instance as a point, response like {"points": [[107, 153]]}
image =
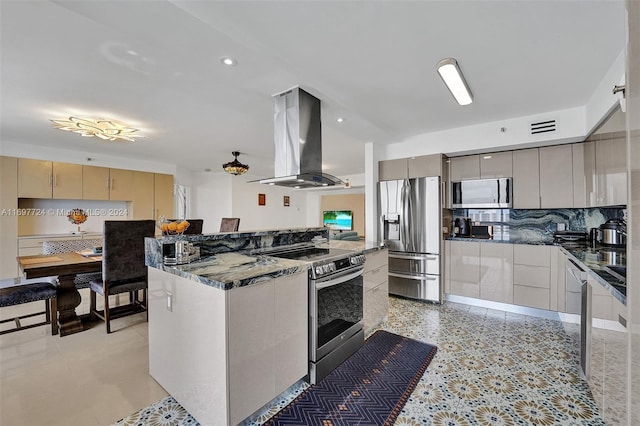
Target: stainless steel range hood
{"points": [[298, 140]]}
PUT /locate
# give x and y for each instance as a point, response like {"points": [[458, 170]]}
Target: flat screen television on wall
{"points": [[339, 220]]}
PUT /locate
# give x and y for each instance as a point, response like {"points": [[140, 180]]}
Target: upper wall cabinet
{"points": [[120, 185], [95, 183], [143, 194], [464, 168], [46, 179], [584, 174], [163, 195], [496, 165], [425, 165], [611, 170], [526, 179], [556, 177], [414, 167], [393, 169]]}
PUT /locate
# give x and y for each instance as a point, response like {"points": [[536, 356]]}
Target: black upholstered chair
{"points": [[229, 224], [195, 226], [123, 268]]}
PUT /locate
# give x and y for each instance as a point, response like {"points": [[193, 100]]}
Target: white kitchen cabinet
{"points": [[556, 177], [376, 289], [446, 274], [496, 165], [465, 268], [224, 354], [464, 168], [526, 179], [496, 272]]}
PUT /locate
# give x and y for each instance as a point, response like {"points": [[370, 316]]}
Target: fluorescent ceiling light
{"points": [[453, 78], [228, 61]]}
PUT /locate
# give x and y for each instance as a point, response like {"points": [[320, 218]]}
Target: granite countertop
{"points": [[594, 259], [237, 269], [230, 270]]}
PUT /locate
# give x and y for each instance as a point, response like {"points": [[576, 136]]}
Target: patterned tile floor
{"points": [[492, 368]]}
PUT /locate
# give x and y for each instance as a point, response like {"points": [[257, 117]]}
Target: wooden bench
{"points": [[16, 291]]}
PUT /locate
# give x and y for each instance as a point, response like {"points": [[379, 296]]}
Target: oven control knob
{"points": [[325, 268], [319, 270], [353, 260], [332, 267]]}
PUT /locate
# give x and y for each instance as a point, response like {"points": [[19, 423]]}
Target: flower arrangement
{"points": [[77, 216]]}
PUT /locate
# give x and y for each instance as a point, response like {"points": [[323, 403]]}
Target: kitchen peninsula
{"points": [[229, 332]]}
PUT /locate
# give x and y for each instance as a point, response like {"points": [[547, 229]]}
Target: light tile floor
{"points": [[492, 368]]}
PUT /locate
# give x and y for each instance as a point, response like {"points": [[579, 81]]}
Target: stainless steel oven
{"points": [[336, 311], [335, 317]]}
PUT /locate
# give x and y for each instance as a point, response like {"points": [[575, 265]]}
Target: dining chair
{"points": [[123, 268], [195, 226], [229, 224]]}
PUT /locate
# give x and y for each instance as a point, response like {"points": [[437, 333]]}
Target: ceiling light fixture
{"points": [[453, 78], [235, 167], [340, 120], [110, 130], [228, 61]]}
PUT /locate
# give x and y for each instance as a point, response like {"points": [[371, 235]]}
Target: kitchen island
{"points": [[229, 332]]}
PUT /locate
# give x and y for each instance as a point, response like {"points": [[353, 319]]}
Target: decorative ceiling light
{"points": [[110, 130], [453, 78], [235, 167]]}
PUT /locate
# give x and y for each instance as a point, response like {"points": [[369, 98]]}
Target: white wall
{"points": [[603, 101], [273, 215], [211, 199]]}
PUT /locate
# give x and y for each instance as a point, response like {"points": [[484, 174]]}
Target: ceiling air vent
{"points": [[543, 127]]}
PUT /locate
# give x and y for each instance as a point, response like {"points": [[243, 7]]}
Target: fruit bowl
{"points": [[173, 227]]}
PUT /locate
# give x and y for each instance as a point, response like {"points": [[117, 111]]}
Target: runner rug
{"points": [[369, 388]]}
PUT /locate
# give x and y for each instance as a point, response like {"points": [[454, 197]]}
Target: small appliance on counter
{"points": [[612, 233], [570, 237], [179, 253], [482, 231], [464, 227]]}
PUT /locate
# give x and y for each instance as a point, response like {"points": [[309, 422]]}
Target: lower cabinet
{"points": [[376, 289], [532, 276], [224, 354], [464, 273], [496, 272]]}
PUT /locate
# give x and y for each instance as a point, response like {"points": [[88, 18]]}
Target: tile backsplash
{"points": [[540, 224]]}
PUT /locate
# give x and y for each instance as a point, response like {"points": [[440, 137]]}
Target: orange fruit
{"points": [[184, 223], [172, 226], [180, 228], [164, 227]]}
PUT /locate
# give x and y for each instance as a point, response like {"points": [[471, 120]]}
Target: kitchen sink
{"points": [[620, 272]]}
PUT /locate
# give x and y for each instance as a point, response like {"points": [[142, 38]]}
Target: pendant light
{"points": [[235, 167]]}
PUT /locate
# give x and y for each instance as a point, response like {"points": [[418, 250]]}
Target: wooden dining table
{"points": [[65, 266]]}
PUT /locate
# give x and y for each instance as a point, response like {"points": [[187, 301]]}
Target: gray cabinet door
{"points": [[611, 170], [464, 168], [556, 177], [425, 165], [526, 179], [496, 165], [584, 172], [392, 169]]}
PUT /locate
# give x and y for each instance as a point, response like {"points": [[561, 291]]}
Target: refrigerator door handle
{"points": [[414, 277], [406, 206]]}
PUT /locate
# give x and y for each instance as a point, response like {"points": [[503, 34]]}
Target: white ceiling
{"points": [[155, 64]]}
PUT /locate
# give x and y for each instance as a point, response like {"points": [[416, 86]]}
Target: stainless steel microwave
{"points": [[483, 193]]}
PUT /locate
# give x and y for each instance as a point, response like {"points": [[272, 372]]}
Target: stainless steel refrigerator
{"points": [[409, 212]]}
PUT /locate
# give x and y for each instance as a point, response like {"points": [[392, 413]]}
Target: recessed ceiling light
{"points": [[453, 78], [486, 157], [340, 120], [228, 61]]}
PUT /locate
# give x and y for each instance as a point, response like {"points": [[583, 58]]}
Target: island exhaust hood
{"points": [[298, 141]]}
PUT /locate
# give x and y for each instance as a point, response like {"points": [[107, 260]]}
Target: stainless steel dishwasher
{"points": [[577, 281]]}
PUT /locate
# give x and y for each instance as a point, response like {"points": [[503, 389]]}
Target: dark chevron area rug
{"points": [[369, 388]]}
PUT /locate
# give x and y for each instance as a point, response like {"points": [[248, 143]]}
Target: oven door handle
{"points": [[338, 280], [412, 257]]}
